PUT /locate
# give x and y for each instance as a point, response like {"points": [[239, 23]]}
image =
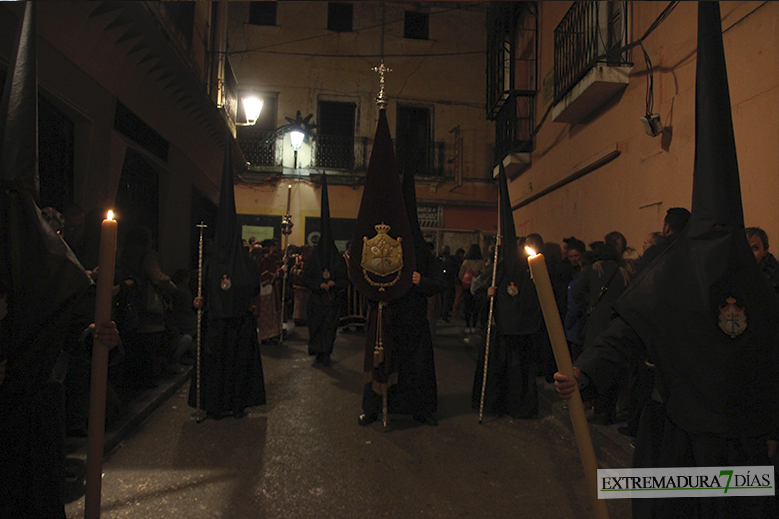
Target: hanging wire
{"points": [[650, 83]]}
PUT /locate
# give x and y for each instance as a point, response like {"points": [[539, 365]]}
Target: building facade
{"points": [[313, 62], [129, 115], [592, 165]]}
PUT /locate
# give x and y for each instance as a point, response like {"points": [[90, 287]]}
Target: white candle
{"points": [[97, 390], [554, 327]]}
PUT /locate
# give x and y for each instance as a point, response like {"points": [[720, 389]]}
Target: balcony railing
{"points": [[262, 150], [424, 162], [259, 147], [591, 32], [336, 152], [514, 125]]}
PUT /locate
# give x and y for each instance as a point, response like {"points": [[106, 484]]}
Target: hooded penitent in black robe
{"points": [[49, 303], [326, 279], [381, 261], [705, 316], [416, 390], [517, 330], [231, 374]]}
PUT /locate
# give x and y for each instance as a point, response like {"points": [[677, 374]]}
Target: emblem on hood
{"points": [[732, 318]]}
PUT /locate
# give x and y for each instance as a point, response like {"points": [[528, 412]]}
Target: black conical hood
{"points": [[716, 191], [703, 309], [37, 268], [326, 249], [375, 267], [325, 255], [520, 314], [508, 247], [227, 236], [233, 279], [19, 113]]}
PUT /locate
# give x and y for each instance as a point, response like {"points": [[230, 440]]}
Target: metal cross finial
{"points": [[381, 99]]}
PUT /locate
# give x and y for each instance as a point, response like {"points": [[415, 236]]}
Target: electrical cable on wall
{"points": [[639, 42]]}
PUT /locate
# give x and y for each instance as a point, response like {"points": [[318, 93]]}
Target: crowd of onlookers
{"points": [[154, 312], [587, 280], [158, 323]]}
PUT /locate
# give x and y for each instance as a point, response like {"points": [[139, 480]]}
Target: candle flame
{"points": [[290, 186], [530, 251], [110, 215]]}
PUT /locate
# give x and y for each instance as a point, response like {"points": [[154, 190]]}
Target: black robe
{"points": [[416, 390], [515, 340], [663, 443], [324, 306], [231, 376], [32, 413]]}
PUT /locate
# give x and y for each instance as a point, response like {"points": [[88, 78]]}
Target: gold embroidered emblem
{"points": [[732, 318], [382, 256]]}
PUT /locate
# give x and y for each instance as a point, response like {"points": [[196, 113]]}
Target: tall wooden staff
{"points": [[99, 380], [286, 230], [199, 414], [489, 325]]}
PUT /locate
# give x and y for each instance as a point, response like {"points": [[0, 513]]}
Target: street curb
{"points": [[137, 411]]}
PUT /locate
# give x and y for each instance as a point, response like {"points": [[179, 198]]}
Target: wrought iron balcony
{"points": [[259, 147], [262, 150], [339, 152], [589, 58], [514, 125]]}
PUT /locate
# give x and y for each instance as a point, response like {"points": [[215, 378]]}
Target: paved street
{"points": [[302, 455]]}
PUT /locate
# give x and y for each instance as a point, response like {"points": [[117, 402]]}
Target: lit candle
{"points": [[289, 196], [554, 326], [97, 391]]}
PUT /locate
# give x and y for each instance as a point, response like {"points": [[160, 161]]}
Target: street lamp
{"points": [[252, 106], [296, 137]]}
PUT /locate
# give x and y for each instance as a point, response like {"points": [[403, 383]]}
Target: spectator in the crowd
{"points": [[471, 267], [630, 259], [184, 316], [675, 221], [451, 268], [619, 241], [147, 356], [597, 289], [758, 242], [459, 255], [267, 303], [573, 324], [653, 238], [480, 285]]}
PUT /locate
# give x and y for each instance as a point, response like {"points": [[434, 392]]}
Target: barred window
{"points": [[416, 25]]}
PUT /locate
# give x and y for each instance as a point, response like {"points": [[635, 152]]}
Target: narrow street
{"points": [[302, 455]]}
